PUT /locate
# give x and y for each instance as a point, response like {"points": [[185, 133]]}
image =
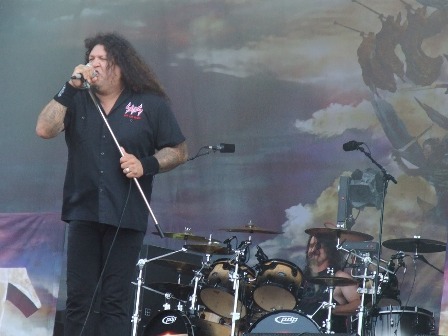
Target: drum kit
{"points": [[227, 297]]}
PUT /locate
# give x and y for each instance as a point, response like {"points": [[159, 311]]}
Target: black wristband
{"points": [[150, 165], [65, 95]]}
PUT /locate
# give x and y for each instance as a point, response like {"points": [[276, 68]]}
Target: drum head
{"points": [[169, 322], [284, 321]]}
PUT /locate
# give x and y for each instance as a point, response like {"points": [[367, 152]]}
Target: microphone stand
{"points": [[141, 263], [100, 110], [386, 178]]}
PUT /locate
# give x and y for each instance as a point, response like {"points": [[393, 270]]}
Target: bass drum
{"points": [[284, 321], [402, 321], [169, 322]]}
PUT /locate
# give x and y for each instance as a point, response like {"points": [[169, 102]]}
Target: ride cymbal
{"points": [[180, 266], [332, 281], [342, 234], [213, 248], [186, 236], [416, 245]]}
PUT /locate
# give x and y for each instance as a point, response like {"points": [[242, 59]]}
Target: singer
{"points": [[106, 214]]}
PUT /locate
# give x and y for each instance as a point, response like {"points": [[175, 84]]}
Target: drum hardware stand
{"points": [[329, 305], [366, 261], [141, 263], [197, 276], [235, 277]]}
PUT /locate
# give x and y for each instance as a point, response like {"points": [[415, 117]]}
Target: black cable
{"points": [[95, 293]]}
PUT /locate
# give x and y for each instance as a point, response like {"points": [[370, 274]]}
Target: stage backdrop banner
{"points": [[31, 254]]}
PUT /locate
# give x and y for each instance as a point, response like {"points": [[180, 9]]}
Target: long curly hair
{"points": [[136, 74], [328, 243]]}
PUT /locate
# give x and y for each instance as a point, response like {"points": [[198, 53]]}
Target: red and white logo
{"points": [[133, 111]]}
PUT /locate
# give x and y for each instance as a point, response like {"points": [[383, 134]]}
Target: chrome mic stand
{"points": [[366, 261], [100, 110], [141, 263], [236, 283]]}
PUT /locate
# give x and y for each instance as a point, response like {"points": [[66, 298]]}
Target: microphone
{"points": [[223, 148], [81, 77], [77, 76], [260, 255], [352, 145], [399, 255]]}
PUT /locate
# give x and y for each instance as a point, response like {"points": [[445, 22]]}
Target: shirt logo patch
{"points": [[133, 111]]}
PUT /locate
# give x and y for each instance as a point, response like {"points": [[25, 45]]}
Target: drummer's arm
{"points": [[350, 295]]}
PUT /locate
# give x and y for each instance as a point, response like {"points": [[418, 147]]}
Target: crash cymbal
{"points": [[342, 234], [186, 236], [332, 281], [211, 248], [252, 228], [416, 245], [180, 266], [179, 291]]}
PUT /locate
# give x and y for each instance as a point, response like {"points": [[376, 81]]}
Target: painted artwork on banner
{"points": [[323, 101], [31, 257]]}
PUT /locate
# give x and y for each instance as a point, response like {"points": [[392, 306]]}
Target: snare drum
{"points": [[169, 322], [284, 321], [402, 321], [218, 294], [277, 285]]}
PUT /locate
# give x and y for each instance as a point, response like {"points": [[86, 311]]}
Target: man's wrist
{"points": [[66, 95], [150, 165]]}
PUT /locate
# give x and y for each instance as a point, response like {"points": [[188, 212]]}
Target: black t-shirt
{"points": [[95, 187]]}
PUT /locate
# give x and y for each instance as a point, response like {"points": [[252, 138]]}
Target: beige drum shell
{"points": [[277, 285], [218, 294]]}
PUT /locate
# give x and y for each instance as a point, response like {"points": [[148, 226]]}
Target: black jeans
{"points": [[88, 246]]}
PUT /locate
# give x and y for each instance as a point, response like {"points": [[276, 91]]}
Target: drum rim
{"points": [[221, 261], [405, 309], [284, 261]]}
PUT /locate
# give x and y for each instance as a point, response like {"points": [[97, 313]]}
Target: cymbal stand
{"points": [[235, 277], [197, 276], [363, 290], [329, 305], [141, 263], [366, 260], [362, 309]]}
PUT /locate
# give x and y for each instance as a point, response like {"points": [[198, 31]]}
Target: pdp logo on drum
{"points": [[170, 319], [285, 319]]}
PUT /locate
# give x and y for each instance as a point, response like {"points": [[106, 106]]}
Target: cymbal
{"points": [[252, 228], [213, 248], [416, 245], [179, 291], [180, 266], [342, 234], [332, 281], [185, 236]]}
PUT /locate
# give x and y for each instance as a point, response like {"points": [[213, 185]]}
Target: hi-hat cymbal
{"points": [[210, 248], [186, 236], [416, 245], [180, 266], [179, 291], [252, 228], [332, 281], [342, 234]]}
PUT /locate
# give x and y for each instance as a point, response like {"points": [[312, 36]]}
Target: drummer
{"points": [[321, 255]]}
